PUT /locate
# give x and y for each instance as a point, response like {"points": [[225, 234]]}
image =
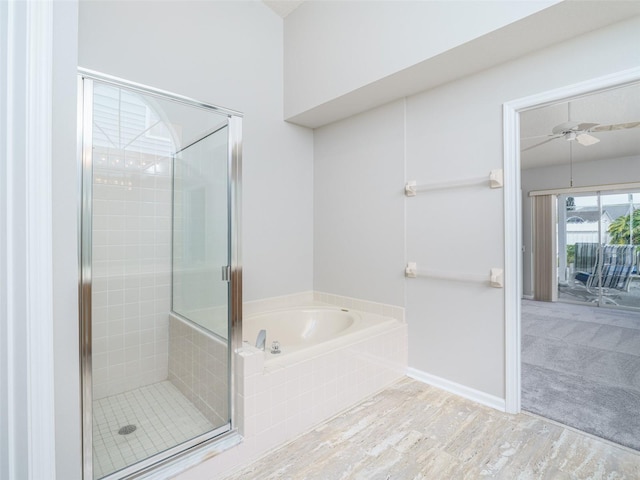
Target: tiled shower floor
{"points": [[162, 415]]}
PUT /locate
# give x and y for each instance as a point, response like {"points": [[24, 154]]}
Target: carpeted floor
{"points": [[576, 292], [581, 367]]}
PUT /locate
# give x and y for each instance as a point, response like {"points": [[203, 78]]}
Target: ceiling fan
{"points": [[579, 132]]}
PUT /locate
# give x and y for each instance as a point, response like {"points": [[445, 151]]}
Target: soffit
{"points": [[559, 23]]}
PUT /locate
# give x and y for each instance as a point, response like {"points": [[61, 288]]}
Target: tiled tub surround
{"points": [[281, 398], [198, 367], [285, 395], [277, 400]]}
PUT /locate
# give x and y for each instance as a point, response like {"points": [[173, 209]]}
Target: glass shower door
{"points": [[201, 261], [201, 233], [158, 253]]}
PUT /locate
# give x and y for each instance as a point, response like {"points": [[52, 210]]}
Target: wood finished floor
{"points": [[412, 431]]}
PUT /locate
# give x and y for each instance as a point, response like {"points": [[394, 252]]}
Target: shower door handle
{"points": [[226, 273]]}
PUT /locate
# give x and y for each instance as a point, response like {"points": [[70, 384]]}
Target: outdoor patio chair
{"points": [[611, 270], [585, 257]]}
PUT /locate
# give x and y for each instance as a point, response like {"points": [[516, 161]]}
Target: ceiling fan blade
{"points": [[538, 144], [586, 139], [617, 126], [535, 137], [583, 127]]}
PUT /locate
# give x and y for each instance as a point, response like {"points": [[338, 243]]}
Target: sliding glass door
{"points": [[598, 248]]}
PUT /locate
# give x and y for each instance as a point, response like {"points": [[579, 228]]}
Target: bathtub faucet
{"points": [[261, 340]]}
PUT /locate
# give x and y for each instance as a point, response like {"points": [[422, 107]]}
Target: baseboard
{"points": [[461, 390], [527, 297]]}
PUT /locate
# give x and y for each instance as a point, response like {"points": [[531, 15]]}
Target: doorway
{"points": [[518, 215], [580, 345]]}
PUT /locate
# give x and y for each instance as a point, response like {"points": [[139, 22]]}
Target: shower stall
{"points": [[160, 274]]}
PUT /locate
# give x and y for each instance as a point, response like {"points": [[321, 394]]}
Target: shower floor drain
{"points": [[127, 429]]}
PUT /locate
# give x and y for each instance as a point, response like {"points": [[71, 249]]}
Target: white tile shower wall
{"points": [[198, 368], [131, 276]]}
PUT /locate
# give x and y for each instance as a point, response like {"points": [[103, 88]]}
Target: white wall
{"points": [[614, 170], [333, 48], [359, 206], [456, 329], [65, 241], [457, 332], [229, 54]]}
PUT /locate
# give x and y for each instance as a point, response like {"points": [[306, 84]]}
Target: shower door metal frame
{"points": [[199, 448]]}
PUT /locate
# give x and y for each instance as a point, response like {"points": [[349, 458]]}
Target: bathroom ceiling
{"points": [[283, 7], [616, 106]]}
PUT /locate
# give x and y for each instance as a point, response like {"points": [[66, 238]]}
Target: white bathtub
{"points": [[311, 328], [331, 359]]}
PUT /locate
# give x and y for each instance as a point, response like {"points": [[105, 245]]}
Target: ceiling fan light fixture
{"points": [[586, 139], [568, 136]]}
